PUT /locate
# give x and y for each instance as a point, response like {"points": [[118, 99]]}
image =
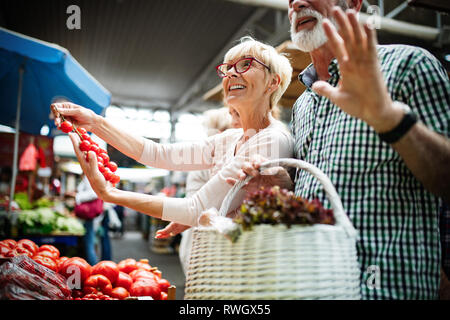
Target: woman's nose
{"points": [[231, 72]]}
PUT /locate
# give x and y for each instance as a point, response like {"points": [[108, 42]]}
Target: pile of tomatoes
{"points": [[127, 278], [104, 281], [105, 166], [46, 255]]}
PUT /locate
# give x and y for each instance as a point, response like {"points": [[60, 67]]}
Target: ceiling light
{"points": [[447, 57]]}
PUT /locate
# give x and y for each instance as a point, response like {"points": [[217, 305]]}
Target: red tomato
{"points": [[50, 248], [75, 264], [112, 166], [107, 268], [120, 293], [163, 295], [60, 261], [29, 245], [107, 174], [124, 280], [47, 254], [139, 274], [18, 251], [101, 167], [46, 262], [146, 287], [158, 273], [104, 156], [84, 145], [4, 250], [163, 284], [114, 179], [98, 282], [143, 265], [94, 148], [10, 243], [81, 130], [89, 290], [66, 126], [127, 265]]}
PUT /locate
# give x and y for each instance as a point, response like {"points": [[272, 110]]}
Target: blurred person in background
{"points": [[84, 194], [215, 121]]}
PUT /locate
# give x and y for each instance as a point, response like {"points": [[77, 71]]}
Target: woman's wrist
{"points": [[110, 194], [98, 124]]}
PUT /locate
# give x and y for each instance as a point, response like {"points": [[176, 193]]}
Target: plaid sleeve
{"points": [[444, 225], [426, 89]]}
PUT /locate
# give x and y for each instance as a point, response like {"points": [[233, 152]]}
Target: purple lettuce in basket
{"points": [[273, 205]]}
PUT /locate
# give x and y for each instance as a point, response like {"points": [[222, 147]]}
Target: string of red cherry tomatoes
{"points": [[105, 166]]}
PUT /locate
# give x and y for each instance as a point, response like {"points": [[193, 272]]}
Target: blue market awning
{"points": [[49, 72]]}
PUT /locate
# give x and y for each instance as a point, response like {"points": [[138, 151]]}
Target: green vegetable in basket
{"points": [[274, 206]]}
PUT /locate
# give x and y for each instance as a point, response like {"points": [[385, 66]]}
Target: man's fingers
{"points": [[337, 43], [358, 33], [345, 28], [324, 89], [371, 38]]}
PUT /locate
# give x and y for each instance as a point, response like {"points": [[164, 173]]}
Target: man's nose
{"points": [[300, 4]]}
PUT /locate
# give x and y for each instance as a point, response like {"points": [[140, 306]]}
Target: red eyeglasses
{"points": [[239, 66]]}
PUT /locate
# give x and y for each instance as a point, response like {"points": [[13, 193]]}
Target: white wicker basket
{"points": [[276, 262]]}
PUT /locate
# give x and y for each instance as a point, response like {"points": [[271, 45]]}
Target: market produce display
{"points": [[41, 217], [105, 166], [273, 205], [39, 272], [48, 221]]}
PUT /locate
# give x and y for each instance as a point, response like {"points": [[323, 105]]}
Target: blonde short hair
{"points": [[277, 62]]}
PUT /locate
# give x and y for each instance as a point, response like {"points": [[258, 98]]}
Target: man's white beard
{"points": [[308, 40]]}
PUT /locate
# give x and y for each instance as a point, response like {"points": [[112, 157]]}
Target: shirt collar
{"points": [[309, 75]]}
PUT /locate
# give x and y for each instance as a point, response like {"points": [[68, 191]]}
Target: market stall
{"points": [[29, 271]]}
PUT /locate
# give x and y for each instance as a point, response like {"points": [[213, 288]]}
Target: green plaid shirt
{"points": [[397, 219]]}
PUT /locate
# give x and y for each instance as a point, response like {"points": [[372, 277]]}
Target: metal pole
{"points": [[16, 138]]}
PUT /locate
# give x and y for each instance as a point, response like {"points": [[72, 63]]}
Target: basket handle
{"points": [[330, 191]]}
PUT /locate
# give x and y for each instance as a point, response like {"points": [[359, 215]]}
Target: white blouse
{"points": [[216, 153]]}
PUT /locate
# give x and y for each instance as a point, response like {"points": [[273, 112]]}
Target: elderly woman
{"points": [[254, 77]]}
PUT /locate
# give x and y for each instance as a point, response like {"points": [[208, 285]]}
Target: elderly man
{"points": [[376, 120]]}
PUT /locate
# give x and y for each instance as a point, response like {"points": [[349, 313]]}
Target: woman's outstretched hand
{"points": [[79, 115], [90, 168], [172, 229]]}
